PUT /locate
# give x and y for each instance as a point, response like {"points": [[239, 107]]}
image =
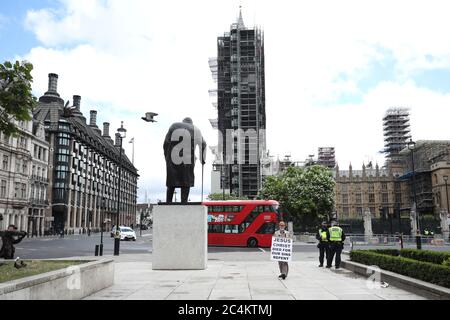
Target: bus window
{"points": [[251, 217], [231, 228], [267, 228], [217, 209], [229, 209], [215, 228], [237, 208], [243, 226]]}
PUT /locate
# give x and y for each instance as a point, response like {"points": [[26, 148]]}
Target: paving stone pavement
{"points": [[243, 280]]}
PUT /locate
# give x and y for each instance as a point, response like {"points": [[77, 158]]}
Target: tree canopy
{"points": [[307, 194], [16, 98]]}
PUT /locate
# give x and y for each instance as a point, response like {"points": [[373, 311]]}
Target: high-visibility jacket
{"points": [[335, 233], [323, 235]]}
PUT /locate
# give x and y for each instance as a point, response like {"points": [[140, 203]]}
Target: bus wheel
{"points": [[252, 243]]}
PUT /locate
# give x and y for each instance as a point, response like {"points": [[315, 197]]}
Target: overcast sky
{"points": [[332, 69]]}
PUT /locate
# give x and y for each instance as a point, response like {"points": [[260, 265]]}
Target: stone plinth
{"points": [[180, 237], [444, 225], [367, 224]]}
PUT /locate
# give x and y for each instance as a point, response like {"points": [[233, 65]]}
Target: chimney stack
{"points": [[117, 140], [52, 95], [77, 102], [106, 129], [93, 119], [52, 84]]}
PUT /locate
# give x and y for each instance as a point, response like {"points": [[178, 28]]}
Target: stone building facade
{"points": [[431, 166], [24, 178], [84, 166], [395, 187], [378, 190]]}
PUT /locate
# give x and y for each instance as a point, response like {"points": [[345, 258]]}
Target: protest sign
{"points": [[281, 249]]}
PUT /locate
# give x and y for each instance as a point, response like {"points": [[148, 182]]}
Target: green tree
{"points": [[307, 194], [219, 196], [16, 100]]}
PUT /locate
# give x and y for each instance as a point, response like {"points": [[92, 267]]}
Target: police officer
{"points": [[336, 239], [322, 236]]}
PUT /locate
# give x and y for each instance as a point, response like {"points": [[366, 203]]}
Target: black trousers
{"points": [[335, 249], [284, 267], [324, 252], [184, 194]]}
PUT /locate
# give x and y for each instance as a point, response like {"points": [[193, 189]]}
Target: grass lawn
{"points": [[8, 272]]}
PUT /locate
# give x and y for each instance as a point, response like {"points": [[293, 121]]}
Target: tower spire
{"points": [[240, 20]]}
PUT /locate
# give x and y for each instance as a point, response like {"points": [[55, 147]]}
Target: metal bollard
{"points": [[101, 249], [96, 250], [401, 241]]}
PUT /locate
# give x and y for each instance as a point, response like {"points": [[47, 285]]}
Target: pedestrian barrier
{"points": [[380, 240], [395, 240]]}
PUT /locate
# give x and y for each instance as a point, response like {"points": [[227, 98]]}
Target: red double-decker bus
{"points": [[242, 222]]}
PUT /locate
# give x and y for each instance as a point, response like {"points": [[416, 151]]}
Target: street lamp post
{"points": [[140, 224], [223, 182], [411, 145], [122, 133], [446, 192], [102, 223]]}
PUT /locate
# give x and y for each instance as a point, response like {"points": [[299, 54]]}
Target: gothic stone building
{"points": [[84, 168], [427, 181], [376, 189]]}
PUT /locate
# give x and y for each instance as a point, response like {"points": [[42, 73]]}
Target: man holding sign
{"points": [[281, 249]]}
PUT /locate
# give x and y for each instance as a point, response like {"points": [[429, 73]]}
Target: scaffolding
{"points": [[426, 153], [396, 129], [241, 104], [326, 157]]}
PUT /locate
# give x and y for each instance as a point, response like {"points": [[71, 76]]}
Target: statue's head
{"points": [[188, 120]]}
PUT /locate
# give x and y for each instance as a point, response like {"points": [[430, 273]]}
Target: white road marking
{"points": [[262, 249]]}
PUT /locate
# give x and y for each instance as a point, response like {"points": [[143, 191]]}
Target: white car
{"points": [[126, 233]]}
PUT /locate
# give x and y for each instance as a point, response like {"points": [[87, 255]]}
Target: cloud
{"points": [[332, 69]]}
